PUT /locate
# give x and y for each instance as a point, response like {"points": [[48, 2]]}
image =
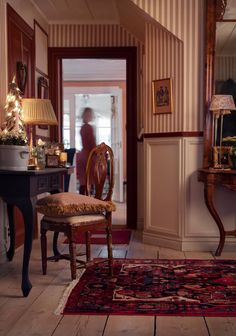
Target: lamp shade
{"points": [[222, 102], [38, 112]]}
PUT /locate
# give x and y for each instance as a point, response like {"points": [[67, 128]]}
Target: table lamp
{"points": [[37, 112], [220, 106]]}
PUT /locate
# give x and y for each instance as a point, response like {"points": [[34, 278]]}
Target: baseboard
{"points": [[140, 223], [204, 245], [208, 246], [153, 239]]}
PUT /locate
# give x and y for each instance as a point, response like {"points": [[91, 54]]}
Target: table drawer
{"points": [[43, 183], [54, 182]]}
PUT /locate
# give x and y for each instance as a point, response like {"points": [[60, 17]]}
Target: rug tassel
{"points": [[63, 300]]}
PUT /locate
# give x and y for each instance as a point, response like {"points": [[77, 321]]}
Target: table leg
{"points": [[27, 207], [208, 195], [11, 250], [56, 253]]}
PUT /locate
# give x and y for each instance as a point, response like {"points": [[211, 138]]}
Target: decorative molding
{"points": [[220, 9], [169, 242], [173, 134]]}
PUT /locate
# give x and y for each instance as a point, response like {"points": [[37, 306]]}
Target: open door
{"points": [[55, 56], [117, 146]]}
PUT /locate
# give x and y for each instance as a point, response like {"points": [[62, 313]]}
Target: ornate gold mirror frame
{"points": [[215, 10]]}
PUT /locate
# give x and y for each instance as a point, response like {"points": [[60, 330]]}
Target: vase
{"points": [[13, 157]]}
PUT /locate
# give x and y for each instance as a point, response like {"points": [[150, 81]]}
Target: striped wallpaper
{"points": [[225, 67], [185, 19], [164, 56], [164, 59], [98, 35]]}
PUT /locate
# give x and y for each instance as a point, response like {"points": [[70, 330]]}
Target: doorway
{"points": [[56, 55], [99, 84]]}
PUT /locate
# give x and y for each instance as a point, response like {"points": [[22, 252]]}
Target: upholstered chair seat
{"points": [[72, 213]]}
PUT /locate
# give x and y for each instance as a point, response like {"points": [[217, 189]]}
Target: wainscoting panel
{"points": [[175, 212], [196, 211], [163, 201]]}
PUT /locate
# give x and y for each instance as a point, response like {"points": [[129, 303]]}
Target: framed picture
{"points": [[221, 157], [162, 96], [52, 161], [43, 93]]}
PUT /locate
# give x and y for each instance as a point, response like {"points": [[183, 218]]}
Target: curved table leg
{"points": [[27, 207], [208, 195], [11, 250], [56, 253]]}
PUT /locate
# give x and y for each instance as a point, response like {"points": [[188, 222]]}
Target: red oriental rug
{"points": [[156, 287], [119, 236]]}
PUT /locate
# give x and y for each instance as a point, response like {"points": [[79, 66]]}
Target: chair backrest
{"points": [[100, 172], [70, 157]]}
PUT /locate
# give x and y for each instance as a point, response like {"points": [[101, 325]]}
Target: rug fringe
{"points": [[67, 291]]}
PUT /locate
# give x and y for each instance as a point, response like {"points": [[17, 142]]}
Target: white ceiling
{"points": [[123, 12], [78, 10]]}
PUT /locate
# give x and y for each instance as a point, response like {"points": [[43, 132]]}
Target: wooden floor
{"points": [[34, 315]]}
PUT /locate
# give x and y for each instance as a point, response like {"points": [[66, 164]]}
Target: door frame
{"points": [[55, 56]]}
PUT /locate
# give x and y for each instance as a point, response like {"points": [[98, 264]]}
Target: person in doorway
{"points": [[88, 143]]}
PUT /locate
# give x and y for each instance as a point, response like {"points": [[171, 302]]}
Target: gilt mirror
{"points": [[220, 65]]}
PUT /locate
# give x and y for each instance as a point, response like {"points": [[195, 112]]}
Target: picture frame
{"points": [[43, 93], [52, 161], [221, 157], [43, 87], [162, 99]]}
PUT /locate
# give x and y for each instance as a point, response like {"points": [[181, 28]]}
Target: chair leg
{"points": [[54, 246], [72, 251], [109, 250], [43, 240], [88, 245]]}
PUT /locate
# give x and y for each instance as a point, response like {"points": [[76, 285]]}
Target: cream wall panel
{"points": [[163, 201], [185, 19], [175, 212], [140, 186], [197, 215]]}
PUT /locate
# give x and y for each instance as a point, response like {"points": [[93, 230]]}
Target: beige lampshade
{"points": [[38, 112], [222, 102]]}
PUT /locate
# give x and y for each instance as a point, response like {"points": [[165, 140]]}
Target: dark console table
{"points": [[20, 188], [211, 178]]}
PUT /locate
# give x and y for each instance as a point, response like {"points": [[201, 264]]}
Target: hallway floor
{"points": [[34, 315]]}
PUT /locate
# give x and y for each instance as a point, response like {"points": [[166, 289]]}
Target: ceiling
{"points": [[122, 12], [78, 10]]}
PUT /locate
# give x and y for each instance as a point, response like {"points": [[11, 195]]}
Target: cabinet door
{"points": [[20, 49]]}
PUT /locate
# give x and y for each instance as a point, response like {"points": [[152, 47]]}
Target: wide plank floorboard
{"points": [[35, 315], [130, 325]]}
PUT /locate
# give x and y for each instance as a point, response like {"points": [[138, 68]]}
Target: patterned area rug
{"points": [[119, 236], [156, 287]]}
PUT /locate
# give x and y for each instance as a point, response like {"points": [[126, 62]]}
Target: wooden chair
{"points": [[72, 213]]}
